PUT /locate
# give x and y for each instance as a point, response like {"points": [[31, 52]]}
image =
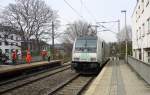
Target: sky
{"points": [[91, 11]]}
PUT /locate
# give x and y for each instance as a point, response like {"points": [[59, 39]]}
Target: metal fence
{"points": [[142, 68]]}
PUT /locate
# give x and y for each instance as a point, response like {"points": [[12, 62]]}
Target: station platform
{"points": [[118, 78], [5, 69]]}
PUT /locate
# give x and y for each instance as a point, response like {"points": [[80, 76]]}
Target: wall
{"points": [[142, 68]]}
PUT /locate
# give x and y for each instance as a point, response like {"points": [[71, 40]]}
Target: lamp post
{"points": [[126, 40]]}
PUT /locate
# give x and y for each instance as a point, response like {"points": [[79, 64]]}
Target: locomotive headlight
{"points": [[76, 59], [93, 59]]}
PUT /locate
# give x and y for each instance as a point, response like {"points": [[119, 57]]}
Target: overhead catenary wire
{"points": [[81, 7], [107, 28], [74, 10], [88, 11], [113, 26], [93, 17]]}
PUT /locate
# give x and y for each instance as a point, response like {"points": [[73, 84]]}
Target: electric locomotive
{"points": [[88, 54]]}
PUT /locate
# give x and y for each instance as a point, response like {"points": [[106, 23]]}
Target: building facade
{"points": [[141, 31], [35, 46], [9, 41]]}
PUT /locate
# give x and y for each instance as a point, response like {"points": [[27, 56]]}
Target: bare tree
{"points": [[31, 17], [121, 36], [78, 28], [46, 32]]}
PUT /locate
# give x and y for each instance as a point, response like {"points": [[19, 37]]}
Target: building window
{"points": [[0, 36], [11, 44], [137, 35], [6, 36], [16, 44], [6, 50], [142, 6], [11, 38], [6, 43], [142, 1], [139, 32], [137, 15], [0, 43], [147, 3], [102, 45], [143, 30]]}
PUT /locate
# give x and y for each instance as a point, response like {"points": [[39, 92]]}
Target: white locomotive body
{"points": [[89, 54]]}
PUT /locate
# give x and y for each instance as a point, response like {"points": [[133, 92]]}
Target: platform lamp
{"points": [[126, 38]]}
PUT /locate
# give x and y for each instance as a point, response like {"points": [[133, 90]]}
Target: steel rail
{"points": [[30, 75], [35, 80], [61, 86]]}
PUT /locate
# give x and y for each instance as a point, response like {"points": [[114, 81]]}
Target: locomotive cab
{"points": [[85, 55]]}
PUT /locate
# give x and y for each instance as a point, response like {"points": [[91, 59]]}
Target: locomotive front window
{"points": [[91, 43], [86, 46], [80, 43]]}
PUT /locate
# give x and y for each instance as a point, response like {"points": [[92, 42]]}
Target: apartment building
{"points": [[9, 40], [141, 31]]}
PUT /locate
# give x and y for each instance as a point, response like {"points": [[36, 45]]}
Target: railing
{"points": [[142, 68]]}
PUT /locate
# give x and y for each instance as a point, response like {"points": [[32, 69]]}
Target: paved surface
{"points": [[5, 68], [117, 78]]}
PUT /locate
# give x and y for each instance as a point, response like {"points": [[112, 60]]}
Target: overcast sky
{"points": [[92, 11]]}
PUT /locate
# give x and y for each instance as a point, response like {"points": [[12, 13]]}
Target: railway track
{"points": [[74, 86], [27, 75], [8, 86]]}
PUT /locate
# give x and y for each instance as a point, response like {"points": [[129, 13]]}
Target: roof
{"points": [[9, 29]]}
